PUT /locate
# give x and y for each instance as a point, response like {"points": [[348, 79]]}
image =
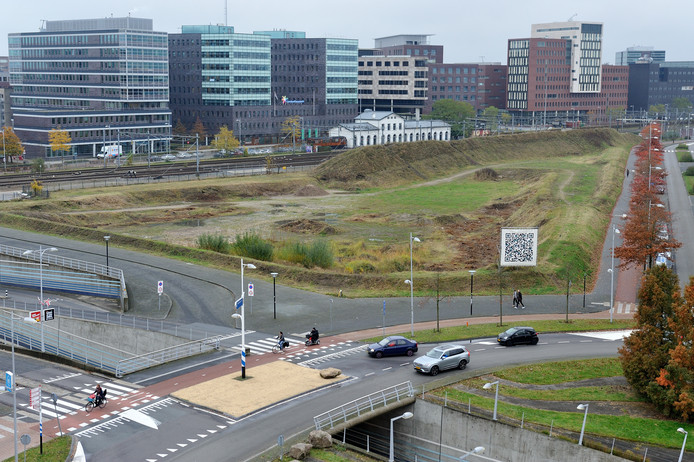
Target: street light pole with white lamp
{"points": [[274, 296], [106, 238], [406, 415], [243, 320], [611, 270], [489, 385], [581, 407], [472, 274], [477, 450], [411, 283], [681, 430], [41, 251]]}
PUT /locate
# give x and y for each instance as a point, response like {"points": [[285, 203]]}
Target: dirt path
{"points": [[562, 194]]}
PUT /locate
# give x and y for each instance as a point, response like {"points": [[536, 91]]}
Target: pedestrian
{"points": [[519, 300], [515, 299], [627, 173]]}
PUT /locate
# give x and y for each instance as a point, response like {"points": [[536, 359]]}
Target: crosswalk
{"points": [[74, 402], [264, 345], [625, 308]]}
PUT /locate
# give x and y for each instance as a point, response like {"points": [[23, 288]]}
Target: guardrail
{"points": [[363, 405], [155, 358]]}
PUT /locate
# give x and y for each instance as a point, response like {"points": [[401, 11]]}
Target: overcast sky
{"points": [[470, 31]]}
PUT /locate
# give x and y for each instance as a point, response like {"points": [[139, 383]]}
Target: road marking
{"points": [[386, 369]]}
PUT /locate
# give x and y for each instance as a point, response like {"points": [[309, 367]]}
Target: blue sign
{"points": [[239, 303], [384, 307], [8, 381]]}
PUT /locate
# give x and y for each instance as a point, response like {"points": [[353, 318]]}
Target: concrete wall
{"points": [[435, 428]]}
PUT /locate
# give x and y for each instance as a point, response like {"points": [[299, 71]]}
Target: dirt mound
{"points": [[486, 174], [310, 190], [308, 227]]}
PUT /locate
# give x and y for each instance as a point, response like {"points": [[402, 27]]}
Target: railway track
{"points": [[160, 170]]}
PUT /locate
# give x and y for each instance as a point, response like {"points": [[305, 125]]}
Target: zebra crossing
{"points": [[264, 345], [625, 308], [72, 403]]}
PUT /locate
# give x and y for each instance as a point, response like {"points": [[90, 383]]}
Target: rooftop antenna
{"points": [[482, 57], [572, 17], [226, 21], [43, 24]]}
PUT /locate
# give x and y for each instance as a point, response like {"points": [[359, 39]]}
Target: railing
{"points": [[364, 405], [155, 358]]}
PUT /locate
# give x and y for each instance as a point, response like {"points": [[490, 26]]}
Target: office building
{"points": [[556, 76], [634, 55], [101, 80], [253, 82], [660, 83], [482, 85], [415, 45], [5, 92]]}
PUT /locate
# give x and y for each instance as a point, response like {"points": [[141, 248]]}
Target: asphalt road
{"points": [[679, 202]]}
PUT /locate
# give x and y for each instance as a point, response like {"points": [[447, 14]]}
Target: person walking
{"points": [[515, 299], [519, 300]]}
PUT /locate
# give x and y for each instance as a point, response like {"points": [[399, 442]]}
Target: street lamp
{"points": [[406, 415], [649, 173], [243, 325], [41, 251], [488, 386], [106, 238], [581, 407], [681, 430], [477, 450], [472, 274], [411, 283], [274, 296], [611, 270]]}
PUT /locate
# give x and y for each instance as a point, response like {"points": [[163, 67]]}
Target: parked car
{"points": [[393, 346], [441, 358], [185, 155], [168, 157], [518, 335]]}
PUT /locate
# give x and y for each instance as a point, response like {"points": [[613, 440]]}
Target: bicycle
{"points": [[277, 348], [92, 403]]}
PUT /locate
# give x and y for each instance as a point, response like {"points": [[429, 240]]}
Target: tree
{"points": [[13, 146], [453, 112], [491, 115], [59, 140], [180, 129], [226, 140], [291, 126], [681, 104], [657, 109], [199, 128]]}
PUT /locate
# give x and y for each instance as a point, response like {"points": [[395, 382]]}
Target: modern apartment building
{"points": [[253, 82], [639, 55], [5, 92], [101, 80], [415, 45], [660, 83], [556, 75], [482, 85]]}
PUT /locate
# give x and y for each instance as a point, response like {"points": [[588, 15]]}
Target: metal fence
{"points": [[363, 405]]}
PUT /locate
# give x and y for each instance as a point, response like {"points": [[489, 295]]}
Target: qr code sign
{"points": [[518, 246]]}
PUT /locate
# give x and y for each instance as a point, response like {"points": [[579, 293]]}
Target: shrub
{"points": [[318, 253], [689, 171], [214, 242], [253, 246], [359, 267], [682, 146], [684, 156]]}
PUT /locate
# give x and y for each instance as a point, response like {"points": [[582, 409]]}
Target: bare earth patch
{"points": [[306, 226], [264, 385]]}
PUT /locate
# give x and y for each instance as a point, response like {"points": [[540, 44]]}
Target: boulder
{"points": [[300, 451], [320, 439], [330, 373]]}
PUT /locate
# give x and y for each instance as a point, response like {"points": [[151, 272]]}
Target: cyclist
{"points": [[98, 395], [280, 340]]}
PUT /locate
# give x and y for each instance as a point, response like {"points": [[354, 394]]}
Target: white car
{"points": [[168, 157], [441, 358]]}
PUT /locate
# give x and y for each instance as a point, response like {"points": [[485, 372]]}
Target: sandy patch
{"points": [[264, 385]]}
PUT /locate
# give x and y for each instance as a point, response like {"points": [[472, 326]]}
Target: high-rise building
{"points": [[101, 80], [253, 82], [639, 55], [5, 91], [556, 75], [415, 45], [660, 83], [482, 85]]}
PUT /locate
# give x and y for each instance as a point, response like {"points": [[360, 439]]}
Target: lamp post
{"points": [[581, 407], [274, 296], [489, 385], [411, 283], [14, 392], [614, 231], [41, 251], [650, 169], [4, 154], [477, 450], [406, 415], [472, 274], [243, 319], [106, 238], [681, 430]]}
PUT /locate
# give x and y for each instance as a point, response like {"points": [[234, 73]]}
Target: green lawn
{"points": [[58, 449]]}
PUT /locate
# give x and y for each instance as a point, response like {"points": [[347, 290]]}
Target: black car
{"points": [[393, 346], [518, 335]]}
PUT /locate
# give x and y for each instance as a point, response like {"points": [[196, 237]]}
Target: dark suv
{"points": [[517, 335]]}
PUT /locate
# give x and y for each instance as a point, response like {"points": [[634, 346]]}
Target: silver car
{"points": [[443, 357]]}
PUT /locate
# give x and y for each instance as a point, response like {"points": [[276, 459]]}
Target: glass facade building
{"points": [[98, 79]]}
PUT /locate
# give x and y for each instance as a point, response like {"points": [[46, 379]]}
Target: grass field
{"points": [[365, 202]]}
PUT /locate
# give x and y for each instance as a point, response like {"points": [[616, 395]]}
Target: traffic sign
{"points": [[239, 302], [36, 316], [34, 397], [160, 287], [250, 289], [49, 314], [9, 381]]}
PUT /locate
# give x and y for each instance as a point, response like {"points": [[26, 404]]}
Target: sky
{"points": [[470, 31]]}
